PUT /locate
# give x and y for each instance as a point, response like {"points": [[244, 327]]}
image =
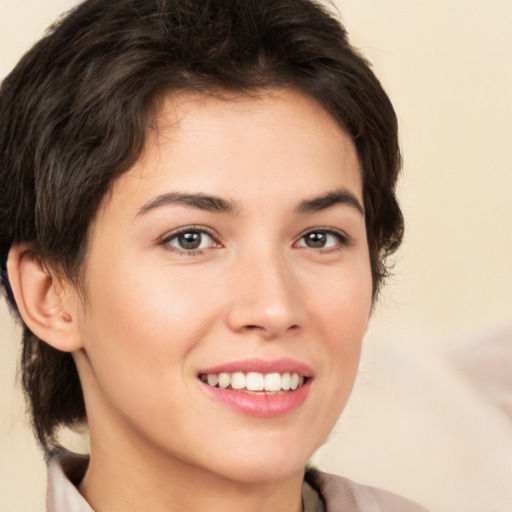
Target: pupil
{"points": [[316, 240], [190, 240]]}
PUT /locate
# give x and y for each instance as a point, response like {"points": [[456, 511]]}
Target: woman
{"points": [[198, 206]]}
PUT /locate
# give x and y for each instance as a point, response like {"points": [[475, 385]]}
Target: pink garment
{"points": [[343, 495], [333, 493], [64, 473]]}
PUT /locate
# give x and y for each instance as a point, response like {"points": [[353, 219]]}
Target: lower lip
{"points": [[260, 405]]}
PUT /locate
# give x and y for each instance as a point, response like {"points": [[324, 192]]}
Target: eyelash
{"points": [[342, 240], [166, 241]]}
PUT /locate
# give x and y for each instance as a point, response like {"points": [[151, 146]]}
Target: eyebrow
{"points": [[200, 201], [220, 205], [330, 199]]}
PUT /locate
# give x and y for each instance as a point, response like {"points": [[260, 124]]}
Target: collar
{"points": [[66, 471]]}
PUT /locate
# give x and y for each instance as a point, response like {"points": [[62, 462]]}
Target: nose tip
{"points": [[266, 303], [268, 325]]}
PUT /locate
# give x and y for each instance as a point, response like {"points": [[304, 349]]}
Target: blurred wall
{"points": [[447, 66], [415, 424]]}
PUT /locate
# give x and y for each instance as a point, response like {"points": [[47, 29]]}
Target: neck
{"points": [[129, 477]]}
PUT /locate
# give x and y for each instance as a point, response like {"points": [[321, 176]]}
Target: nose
{"points": [[265, 297]]}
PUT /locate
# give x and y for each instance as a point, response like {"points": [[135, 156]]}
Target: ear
{"points": [[46, 303]]}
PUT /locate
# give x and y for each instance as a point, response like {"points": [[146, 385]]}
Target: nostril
{"points": [[254, 327], [264, 317]]}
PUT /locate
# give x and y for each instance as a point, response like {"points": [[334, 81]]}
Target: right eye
{"points": [[190, 240]]}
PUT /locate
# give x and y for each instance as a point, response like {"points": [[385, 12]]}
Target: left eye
{"points": [[190, 240], [320, 240]]}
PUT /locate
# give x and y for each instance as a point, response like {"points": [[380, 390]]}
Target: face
{"points": [[228, 288]]}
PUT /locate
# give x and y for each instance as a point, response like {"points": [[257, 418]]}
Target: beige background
{"points": [[417, 423]]}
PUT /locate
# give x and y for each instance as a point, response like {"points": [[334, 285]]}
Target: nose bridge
{"points": [[264, 295]]}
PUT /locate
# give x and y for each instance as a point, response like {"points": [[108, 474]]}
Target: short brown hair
{"points": [[76, 108]]}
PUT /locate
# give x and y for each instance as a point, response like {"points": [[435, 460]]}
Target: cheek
{"points": [[341, 311], [138, 333], [343, 301], [142, 323], [153, 302]]}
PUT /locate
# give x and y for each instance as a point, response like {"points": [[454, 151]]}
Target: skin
{"points": [[155, 313]]}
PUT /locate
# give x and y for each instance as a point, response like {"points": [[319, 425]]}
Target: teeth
{"points": [[213, 379], [254, 381], [238, 380], [294, 381], [224, 380], [273, 382]]}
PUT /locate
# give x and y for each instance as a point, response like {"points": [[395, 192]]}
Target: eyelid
{"points": [[344, 239], [165, 239]]}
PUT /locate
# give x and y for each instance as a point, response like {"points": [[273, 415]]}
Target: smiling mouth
{"points": [[254, 382]]}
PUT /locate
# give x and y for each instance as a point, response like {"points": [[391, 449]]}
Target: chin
{"points": [[264, 464], [254, 472]]}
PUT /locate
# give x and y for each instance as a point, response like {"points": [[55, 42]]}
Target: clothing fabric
{"points": [[322, 492], [344, 495]]}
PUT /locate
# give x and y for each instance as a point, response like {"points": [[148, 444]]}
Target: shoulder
{"points": [[343, 494], [65, 471]]}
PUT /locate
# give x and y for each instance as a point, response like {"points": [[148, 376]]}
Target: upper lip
{"points": [[283, 365]]}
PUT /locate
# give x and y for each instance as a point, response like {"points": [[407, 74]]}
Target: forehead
{"points": [[241, 146]]}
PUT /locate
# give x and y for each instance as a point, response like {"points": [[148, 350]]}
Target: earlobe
{"points": [[43, 302]]}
